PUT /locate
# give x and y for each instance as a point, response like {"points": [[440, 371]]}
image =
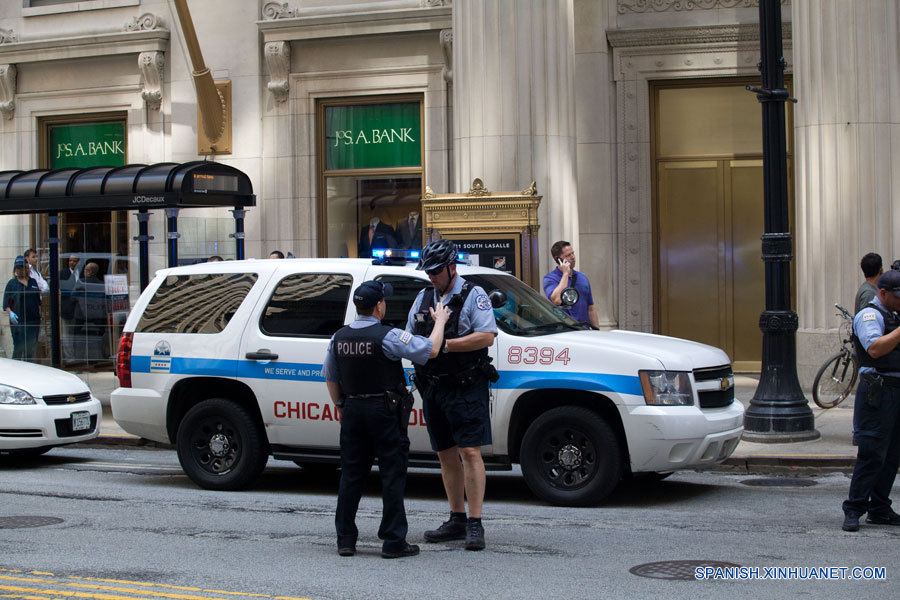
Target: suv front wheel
{"points": [[220, 445], [570, 457]]}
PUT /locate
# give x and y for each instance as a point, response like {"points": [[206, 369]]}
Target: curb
{"points": [[131, 441], [787, 464]]}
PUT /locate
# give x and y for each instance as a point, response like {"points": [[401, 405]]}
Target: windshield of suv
{"points": [[526, 312]]}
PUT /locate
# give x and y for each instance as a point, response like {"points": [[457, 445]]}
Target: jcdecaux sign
{"points": [[373, 136]]}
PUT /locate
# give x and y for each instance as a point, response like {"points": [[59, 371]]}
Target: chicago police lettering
{"points": [[355, 348]]}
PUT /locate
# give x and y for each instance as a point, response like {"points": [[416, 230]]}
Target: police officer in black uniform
{"points": [[876, 411], [367, 385], [455, 389]]}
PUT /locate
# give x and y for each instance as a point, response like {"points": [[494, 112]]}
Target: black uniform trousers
{"points": [[370, 430], [878, 453]]}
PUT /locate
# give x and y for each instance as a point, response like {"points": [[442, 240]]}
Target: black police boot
{"points": [[474, 535], [884, 518], [851, 522], [453, 528], [407, 550]]}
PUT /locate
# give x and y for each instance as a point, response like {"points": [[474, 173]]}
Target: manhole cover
{"points": [[22, 522], [779, 482], [677, 569]]}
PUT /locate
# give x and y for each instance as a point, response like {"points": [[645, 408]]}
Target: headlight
{"points": [[666, 388], [11, 395]]}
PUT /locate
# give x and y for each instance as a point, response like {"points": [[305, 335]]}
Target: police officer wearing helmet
{"points": [[367, 385], [454, 387], [876, 411]]}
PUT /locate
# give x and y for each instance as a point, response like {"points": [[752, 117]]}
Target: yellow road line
{"points": [[25, 596], [128, 590]]}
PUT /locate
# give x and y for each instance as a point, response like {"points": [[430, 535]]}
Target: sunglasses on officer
{"points": [[435, 271]]}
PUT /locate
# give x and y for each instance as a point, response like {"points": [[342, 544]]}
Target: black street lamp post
{"points": [[779, 411]]}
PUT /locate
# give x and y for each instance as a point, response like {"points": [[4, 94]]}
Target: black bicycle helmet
{"points": [[437, 254]]}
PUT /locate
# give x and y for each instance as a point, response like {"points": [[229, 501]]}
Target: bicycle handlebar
{"points": [[844, 312]]}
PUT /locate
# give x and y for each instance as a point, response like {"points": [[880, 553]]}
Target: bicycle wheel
{"points": [[835, 379]]}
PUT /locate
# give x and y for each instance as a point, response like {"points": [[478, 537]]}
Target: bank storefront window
{"points": [[371, 180]]}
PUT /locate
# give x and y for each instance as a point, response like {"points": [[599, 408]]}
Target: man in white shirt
{"points": [[31, 258]]}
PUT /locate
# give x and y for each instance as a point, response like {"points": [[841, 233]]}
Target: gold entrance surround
{"points": [[498, 218]]}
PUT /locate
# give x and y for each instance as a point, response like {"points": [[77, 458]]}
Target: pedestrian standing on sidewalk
{"points": [[876, 411], [22, 302], [872, 269], [565, 276], [455, 389], [366, 382]]}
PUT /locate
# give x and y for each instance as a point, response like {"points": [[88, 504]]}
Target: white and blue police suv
{"points": [[224, 360]]}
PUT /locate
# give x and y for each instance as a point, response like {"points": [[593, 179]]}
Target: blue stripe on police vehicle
{"points": [[509, 380]]}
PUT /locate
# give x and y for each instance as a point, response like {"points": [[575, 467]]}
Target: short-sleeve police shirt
{"points": [[869, 326], [476, 315], [397, 344]]}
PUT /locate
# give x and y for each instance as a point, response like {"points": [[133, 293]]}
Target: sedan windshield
{"points": [[526, 312]]}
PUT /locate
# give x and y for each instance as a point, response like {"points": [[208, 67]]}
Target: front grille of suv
{"points": [[709, 386]]}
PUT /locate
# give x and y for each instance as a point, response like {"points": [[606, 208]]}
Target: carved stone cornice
{"points": [[693, 36], [278, 59], [144, 22], [645, 6], [8, 36], [278, 10], [282, 22], [151, 65], [8, 90], [447, 48]]}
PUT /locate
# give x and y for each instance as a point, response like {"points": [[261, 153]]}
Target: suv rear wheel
{"points": [[220, 445], [570, 456]]}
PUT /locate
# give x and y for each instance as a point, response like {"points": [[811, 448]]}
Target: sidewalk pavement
{"points": [[833, 450]]}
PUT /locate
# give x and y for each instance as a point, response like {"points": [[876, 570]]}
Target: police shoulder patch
{"points": [[483, 302], [406, 337], [868, 315]]}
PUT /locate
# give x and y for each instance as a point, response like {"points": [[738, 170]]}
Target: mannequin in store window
{"points": [[377, 234], [409, 230]]}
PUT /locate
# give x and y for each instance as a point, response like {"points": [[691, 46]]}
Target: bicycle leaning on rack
{"points": [[836, 378]]}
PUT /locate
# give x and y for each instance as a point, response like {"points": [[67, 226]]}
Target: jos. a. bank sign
{"points": [[373, 136], [86, 145]]}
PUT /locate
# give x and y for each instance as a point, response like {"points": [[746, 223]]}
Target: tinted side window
{"points": [[195, 303], [405, 291], [307, 304]]}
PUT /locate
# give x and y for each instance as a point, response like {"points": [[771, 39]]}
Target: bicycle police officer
{"points": [[454, 388], [876, 412], [366, 382]]}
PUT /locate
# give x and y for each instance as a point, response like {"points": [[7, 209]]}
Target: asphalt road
{"points": [[126, 524]]}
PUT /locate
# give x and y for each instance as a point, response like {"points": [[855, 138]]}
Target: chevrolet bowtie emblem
{"points": [[70, 399], [726, 382]]}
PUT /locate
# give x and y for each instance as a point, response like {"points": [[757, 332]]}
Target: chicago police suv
{"points": [[225, 361]]}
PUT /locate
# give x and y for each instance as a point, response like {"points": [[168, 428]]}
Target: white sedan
{"points": [[42, 407]]}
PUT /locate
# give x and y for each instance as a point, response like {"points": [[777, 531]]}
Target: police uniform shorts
{"points": [[458, 416]]}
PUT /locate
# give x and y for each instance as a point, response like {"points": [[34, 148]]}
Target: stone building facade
{"points": [[628, 114]]}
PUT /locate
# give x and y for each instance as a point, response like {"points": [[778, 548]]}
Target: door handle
{"points": [[261, 355]]}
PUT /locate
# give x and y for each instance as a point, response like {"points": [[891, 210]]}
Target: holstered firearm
{"points": [[876, 389], [400, 401]]}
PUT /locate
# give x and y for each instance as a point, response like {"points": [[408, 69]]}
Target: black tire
{"points": [[570, 456], [835, 380], [221, 446]]}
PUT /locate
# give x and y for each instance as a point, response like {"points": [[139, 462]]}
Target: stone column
{"points": [[514, 105], [847, 189]]}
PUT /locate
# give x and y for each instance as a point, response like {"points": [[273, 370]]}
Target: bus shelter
{"points": [[167, 186]]}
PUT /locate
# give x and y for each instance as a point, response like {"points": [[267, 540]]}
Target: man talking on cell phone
{"points": [[563, 277]]}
